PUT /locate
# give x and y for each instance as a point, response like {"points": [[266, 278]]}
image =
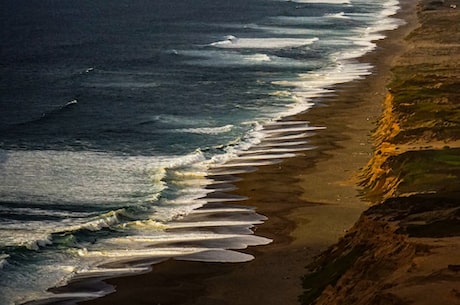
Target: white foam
{"points": [[391, 8], [24, 286], [90, 180], [127, 254], [340, 15], [231, 42], [240, 158], [72, 102], [311, 84], [171, 210], [87, 177], [180, 253], [207, 130], [97, 223], [15, 234], [323, 1], [203, 224], [223, 209], [258, 57], [167, 237], [148, 225], [210, 239], [218, 256], [3, 260], [104, 272]]}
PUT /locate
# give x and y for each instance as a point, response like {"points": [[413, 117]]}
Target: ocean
{"points": [[124, 123]]}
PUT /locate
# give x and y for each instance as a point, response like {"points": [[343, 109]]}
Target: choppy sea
{"points": [[122, 122]]}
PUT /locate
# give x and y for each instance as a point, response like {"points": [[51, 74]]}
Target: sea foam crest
{"points": [[33, 238], [258, 57], [16, 236], [207, 130], [341, 15], [366, 37], [3, 260], [323, 1], [262, 43], [103, 221]]}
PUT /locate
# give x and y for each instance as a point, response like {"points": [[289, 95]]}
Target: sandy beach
{"points": [[310, 201]]}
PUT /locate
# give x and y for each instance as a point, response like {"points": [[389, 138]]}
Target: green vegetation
{"points": [[427, 170], [437, 229], [315, 282], [426, 99]]}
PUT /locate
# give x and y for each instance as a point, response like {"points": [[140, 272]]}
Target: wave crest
{"points": [[231, 42], [207, 130]]}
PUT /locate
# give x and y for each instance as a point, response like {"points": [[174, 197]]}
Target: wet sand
{"points": [[310, 201]]}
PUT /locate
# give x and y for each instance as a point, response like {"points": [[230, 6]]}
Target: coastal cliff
{"points": [[405, 249]]}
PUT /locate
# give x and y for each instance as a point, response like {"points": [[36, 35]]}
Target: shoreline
{"points": [[310, 201], [405, 248]]}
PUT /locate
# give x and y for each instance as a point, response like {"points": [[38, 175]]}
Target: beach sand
{"points": [[310, 201]]}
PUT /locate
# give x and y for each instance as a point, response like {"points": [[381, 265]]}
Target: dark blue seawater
{"points": [[115, 114]]}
